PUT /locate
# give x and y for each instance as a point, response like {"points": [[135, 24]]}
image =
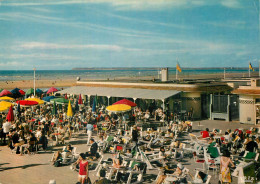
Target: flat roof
{"points": [[120, 92]]}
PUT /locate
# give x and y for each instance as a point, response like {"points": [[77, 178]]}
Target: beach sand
{"points": [[25, 84], [44, 83]]}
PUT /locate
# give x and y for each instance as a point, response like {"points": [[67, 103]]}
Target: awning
{"points": [[120, 92]]}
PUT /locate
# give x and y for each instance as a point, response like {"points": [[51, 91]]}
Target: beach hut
{"points": [[52, 90], [118, 108], [126, 102], [5, 93]]}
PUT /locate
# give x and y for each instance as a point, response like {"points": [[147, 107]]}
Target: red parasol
{"points": [[5, 93], [51, 90], [80, 99], [10, 115], [126, 102], [21, 92], [27, 102]]}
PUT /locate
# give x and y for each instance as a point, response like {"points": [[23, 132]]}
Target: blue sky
{"points": [[62, 34]]}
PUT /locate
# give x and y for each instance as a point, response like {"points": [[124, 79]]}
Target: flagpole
{"points": [[224, 73], [34, 81], [176, 73], [249, 70]]}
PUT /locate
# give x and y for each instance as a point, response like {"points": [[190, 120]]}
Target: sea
{"points": [[112, 73]]}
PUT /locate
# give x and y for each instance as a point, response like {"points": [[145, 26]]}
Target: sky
{"points": [[64, 34]]}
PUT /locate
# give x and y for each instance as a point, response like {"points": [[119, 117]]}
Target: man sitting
{"points": [[205, 134], [93, 150], [102, 179]]}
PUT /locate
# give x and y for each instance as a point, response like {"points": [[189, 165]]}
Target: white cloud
{"points": [[40, 45], [133, 4], [235, 24], [230, 3], [40, 56]]}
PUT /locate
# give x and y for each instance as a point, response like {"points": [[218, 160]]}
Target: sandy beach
{"points": [[25, 84], [44, 83]]}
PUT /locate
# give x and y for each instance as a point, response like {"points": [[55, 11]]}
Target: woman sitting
{"points": [[62, 155]]}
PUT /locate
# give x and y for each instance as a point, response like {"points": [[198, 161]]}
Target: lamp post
{"points": [[34, 81]]}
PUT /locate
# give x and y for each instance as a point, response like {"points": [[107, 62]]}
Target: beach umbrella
{"points": [[39, 91], [27, 103], [5, 93], [118, 108], [29, 92], [10, 115], [80, 99], [21, 92], [4, 105], [69, 111], [6, 98], [16, 92], [54, 109], [40, 102], [94, 105], [48, 98], [76, 106], [18, 108], [59, 100], [126, 102], [51, 90], [66, 97]]}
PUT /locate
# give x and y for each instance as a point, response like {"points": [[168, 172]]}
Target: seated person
{"points": [[200, 178], [93, 150], [205, 134], [67, 151], [177, 172], [169, 133], [43, 141], [117, 164], [102, 179]]}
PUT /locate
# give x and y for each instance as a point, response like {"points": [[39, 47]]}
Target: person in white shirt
{"points": [[6, 129]]}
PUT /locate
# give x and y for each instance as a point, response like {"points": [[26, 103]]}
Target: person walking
{"points": [[225, 161], [83, 168], [90, 129]]}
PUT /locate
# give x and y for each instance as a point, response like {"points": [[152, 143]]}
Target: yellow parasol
{"points": [[4, 105], [69, 111], [7, 98], [118, 108], [36, 100]]}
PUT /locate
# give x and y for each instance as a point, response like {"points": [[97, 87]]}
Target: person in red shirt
{"points": [[83, 168], [205, 133]]}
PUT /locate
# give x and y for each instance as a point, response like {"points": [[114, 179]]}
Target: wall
{"points": [[192, 99], [247, 109]]}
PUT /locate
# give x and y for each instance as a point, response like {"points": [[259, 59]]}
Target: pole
{"points": [[259, 67], [34, 81], [224, 73], [176, 74], [249, 70]]}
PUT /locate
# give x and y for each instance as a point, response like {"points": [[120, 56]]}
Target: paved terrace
{"points": [[36, 169]]}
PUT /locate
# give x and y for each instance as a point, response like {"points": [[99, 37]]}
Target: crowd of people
{"points": [[35, 127]]}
